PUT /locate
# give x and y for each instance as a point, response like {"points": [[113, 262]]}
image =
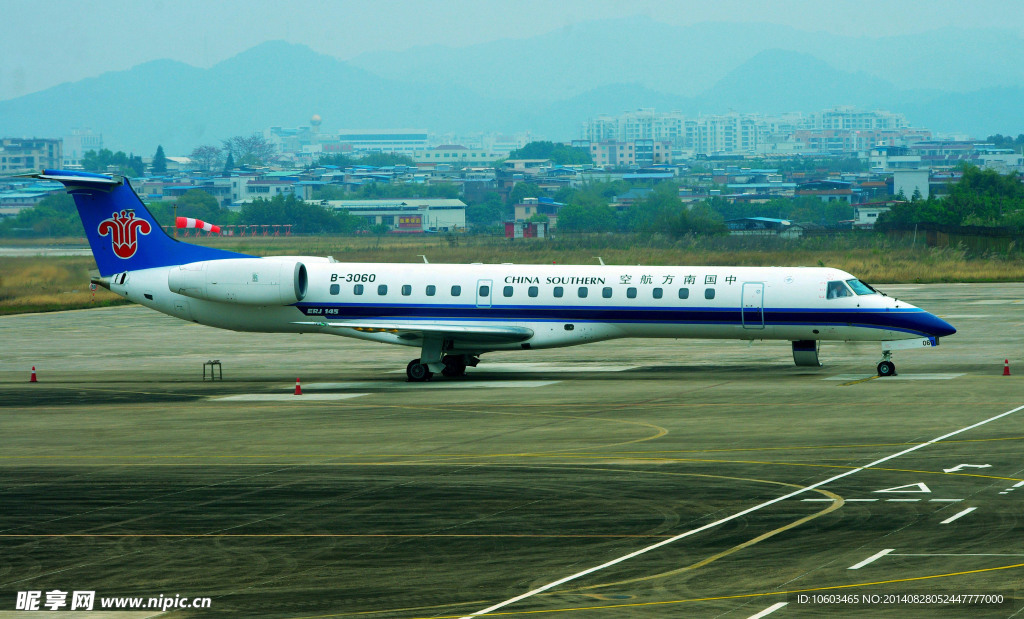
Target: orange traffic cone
{"points": [[1006, 368], [32, 379], [298, 387]]}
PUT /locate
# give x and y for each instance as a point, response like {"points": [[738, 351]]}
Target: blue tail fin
{"points": [[122, 233]]}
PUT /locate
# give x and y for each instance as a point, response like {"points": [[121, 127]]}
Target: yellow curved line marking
{"points": [[658, 430], [996, 403], [837, 502], [512, 455], [658, 433], [809, 447], [733, 597], [684, 601], [459, 460], [857, 382], [804, 464], [128, 391], [342, 535]]}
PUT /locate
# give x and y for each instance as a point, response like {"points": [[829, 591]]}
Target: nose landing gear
{"points": [[886, 367]]}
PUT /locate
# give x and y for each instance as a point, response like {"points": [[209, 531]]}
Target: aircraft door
{"points": [[753, 305], [483, 293]]}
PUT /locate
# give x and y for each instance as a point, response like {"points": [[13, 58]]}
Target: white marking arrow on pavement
{"points": [[918, 487], [964, 466]]}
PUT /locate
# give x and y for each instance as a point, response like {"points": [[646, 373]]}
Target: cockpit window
{"points": [[837, 290], [860, 287]]}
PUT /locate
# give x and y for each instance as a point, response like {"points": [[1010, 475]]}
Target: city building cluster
{"points": [[307, 144], [838, 131], [705, 155]]}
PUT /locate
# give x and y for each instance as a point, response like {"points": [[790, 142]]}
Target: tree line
{"points": [[559, 154], [659, 210], [1005, 141], [240, 150], [304, 217], [981, 198], [56, 215]]}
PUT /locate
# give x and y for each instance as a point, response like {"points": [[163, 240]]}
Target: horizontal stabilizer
{"points": [[73, 177]]}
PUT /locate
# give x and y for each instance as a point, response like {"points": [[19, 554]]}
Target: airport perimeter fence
{"points": [[975, 240]]}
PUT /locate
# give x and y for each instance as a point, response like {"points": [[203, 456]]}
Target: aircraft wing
{"points": [[415, 330]]}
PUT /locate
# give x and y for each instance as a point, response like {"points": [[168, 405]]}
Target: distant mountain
{"points": [[548, 85], [275, 83], [689, 60], [564, 63], [125, 99], [563, 119], [778, 80], [980, 113], [949, 59]]}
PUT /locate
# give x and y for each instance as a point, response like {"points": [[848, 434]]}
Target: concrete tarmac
{"points": [[775, 490]]}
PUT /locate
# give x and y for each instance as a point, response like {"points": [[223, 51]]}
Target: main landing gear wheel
{"points": [[417, 372], [454, 365], [886, 368]]}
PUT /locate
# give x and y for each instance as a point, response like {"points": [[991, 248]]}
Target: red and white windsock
{"points": [[190, 222]]}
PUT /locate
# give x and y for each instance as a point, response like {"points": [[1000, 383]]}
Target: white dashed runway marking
{"points": [[848, 377], [889, 500], [502, 368], [958, 515], [874, 557], [286, 397], [769, 610], [439, 384]]}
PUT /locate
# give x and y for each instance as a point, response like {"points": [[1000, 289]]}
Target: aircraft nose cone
{"points": [[935, 326]]}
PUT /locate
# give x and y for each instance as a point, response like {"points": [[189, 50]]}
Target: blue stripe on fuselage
{"points": [[915, 320]]}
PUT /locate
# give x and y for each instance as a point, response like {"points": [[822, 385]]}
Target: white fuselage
{"points": [[563, 305]]}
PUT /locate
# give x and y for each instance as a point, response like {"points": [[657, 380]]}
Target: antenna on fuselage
{"points": [[425, 261], [601, 260]]}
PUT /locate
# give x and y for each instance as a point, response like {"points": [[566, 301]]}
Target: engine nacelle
{"points": [[249, 281]]}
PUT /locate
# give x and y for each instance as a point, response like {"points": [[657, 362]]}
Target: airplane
{"points": [[454, 313]]}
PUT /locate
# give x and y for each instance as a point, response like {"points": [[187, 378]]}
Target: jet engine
{"points": [[249, 281]]}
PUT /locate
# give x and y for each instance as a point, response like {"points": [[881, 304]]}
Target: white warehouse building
{"points": [[408, 214]]}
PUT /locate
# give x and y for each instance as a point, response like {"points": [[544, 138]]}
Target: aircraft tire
{"points": [[886, 368], [417, 372], [454, 366]]}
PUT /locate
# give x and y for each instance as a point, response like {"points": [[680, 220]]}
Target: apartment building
{"points": [[615, 154], [643, 124], [457, 154], [34, 154], [404, 141], [78, 143], [841, 129], [852, 119]]}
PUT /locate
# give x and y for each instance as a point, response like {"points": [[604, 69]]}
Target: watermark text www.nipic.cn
{"points": [[87, 600]]}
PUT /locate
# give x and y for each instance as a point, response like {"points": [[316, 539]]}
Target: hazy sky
{"points": [[44, 44]]}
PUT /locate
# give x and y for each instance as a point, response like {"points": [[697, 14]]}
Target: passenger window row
{"points": [[533, 291], [382, 290]]}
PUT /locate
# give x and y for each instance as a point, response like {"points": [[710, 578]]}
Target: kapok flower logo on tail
{"points": [[124, 229]]}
